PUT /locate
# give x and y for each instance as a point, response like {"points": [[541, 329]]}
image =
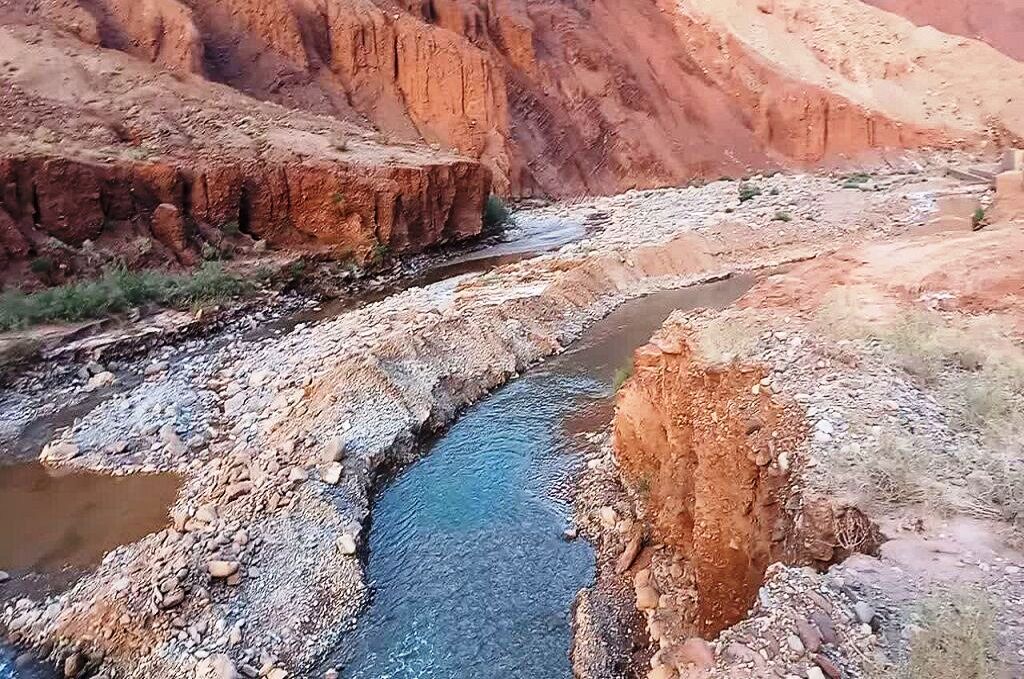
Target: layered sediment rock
{"points": [[73, 172], [554, 98]]}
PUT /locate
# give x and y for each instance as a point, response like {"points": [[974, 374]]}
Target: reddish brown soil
{"points": [[699, 444]]}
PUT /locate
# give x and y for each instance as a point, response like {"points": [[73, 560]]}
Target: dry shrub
{"points": [[900, 470], [956, 639], [725, 339], [893, 472], [843, 312]]}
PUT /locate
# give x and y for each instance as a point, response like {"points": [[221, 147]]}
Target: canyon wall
{"points": [[352, 122], [122, 160], [556, 98]]}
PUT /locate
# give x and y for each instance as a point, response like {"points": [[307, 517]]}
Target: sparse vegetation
{"points": [[297, 269], [976, 374], [748, 191], [724, 339], [379, 254], [783, 216], [956, 639], [855, 180], [978, 218], [41, 266], [118, 290], [621, 376], [496, 215], [230, 228]]}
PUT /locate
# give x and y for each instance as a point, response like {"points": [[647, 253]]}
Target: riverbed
{"points": [[470, 571]]}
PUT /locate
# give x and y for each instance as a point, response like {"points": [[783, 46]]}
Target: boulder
{"points": [[222, 569], [218, 666]]}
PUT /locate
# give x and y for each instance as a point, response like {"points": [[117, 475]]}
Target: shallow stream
{"points": [[469, 571]]}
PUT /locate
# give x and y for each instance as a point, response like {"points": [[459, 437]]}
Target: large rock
{"points": [[218, 666]]}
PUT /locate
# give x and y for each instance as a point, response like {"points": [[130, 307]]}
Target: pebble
{"points": [[217, 666], [331, 474], [222, 569], [155, 368], [347, 545], [334, 451], [59, 451], [826, 628], [864, 612], [827, 666], [697, 652], [809, 635], [647, 598]]}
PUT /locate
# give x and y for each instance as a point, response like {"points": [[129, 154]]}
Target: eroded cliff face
{"points": [[90, 157], [556, 98], [356, 122], [713, 456]]}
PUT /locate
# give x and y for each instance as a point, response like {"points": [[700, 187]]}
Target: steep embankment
{"points": [[95, 141], [1000, 23], [878, 385], [712, 450]]}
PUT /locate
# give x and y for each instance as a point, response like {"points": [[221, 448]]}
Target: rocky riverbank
{"points": [[861, 410], [279, 439]]}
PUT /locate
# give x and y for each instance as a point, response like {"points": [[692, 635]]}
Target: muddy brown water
{"points": [[56, 525]]}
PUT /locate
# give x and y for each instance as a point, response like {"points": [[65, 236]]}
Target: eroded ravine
{"points": [[470, 573]]}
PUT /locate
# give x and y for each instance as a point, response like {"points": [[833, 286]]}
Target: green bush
{"points": [[41, 266], [621, 375], [854, 180], [783, 216], [978, 219], [496, 214], [118, 290], [748, 191]]}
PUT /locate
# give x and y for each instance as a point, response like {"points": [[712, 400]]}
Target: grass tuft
{"points": [[956, 639], [119, 290], [748, 191], [621, 376], [496, 215]]}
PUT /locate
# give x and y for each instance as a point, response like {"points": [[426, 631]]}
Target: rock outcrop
{"points": [[77, 175], [712, 453]]}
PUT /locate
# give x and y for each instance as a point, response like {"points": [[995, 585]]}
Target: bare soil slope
{"points": [[1000, 23]]}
